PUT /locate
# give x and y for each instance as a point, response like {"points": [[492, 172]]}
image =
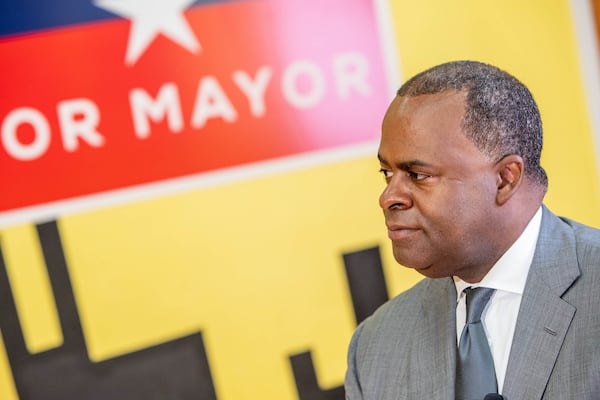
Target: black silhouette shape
{"points": [[306, 380], [175, 370], [366, 281]]}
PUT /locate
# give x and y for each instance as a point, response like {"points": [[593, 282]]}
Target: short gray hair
{"points": [[501, 117]]}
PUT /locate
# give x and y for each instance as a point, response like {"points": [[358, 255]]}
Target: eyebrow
{"points": [[405, 165]]}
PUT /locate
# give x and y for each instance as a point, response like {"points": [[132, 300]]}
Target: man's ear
{"points": [[509, 173]]}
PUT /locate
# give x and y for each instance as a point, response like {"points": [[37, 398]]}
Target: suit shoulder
{"points": [[403, 301], [582, 230], [402, 310], [390, 340], [587, 240]]}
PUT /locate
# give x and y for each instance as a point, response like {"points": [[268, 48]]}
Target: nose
{"points": [[396, 194]]}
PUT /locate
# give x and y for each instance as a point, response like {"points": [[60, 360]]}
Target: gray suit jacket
{"points": [[407, 348]]}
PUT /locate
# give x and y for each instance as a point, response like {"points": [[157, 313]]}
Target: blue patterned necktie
{"points": [[475, 374]]}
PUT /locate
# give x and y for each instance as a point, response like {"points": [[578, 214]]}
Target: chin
{"points": [[432, 273], [408, 256], [409, 262], [423, 268]]}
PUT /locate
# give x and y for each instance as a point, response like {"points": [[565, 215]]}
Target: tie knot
{"points": [[476, 300]]}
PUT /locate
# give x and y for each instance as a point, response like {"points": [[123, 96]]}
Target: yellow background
{"points": [[257, 265]]}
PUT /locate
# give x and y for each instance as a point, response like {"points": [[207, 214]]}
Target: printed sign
{"points": [[129, 92], [209, 292]]}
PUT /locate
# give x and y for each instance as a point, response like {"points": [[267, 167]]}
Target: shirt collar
{"points": [[510, 271]]}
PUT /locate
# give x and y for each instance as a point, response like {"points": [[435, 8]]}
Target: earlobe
{"points": [[509, 177]]}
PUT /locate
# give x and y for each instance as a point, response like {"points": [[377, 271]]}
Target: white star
{"points": [[148, 19]]}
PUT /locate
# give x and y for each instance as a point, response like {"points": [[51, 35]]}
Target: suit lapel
{"points": [[438, 356], [544, 317]]}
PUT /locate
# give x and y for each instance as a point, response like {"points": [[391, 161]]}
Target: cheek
{"points": [[471, 218], [456, 219], [446, 208], [457, 209], [473, 198]]}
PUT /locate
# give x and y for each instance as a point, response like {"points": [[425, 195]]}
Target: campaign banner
{"points": [[112, 94], [117, 280]]}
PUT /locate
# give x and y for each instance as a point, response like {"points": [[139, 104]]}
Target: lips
{"points": [[400, 232]]}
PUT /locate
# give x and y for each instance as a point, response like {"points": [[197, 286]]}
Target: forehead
{"points": [[426, 127]]}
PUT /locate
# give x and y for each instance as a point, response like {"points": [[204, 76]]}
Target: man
{"points": [[460, 153]]}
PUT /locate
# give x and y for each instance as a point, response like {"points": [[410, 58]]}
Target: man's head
{"points": [[501, 116], [460, 150]]}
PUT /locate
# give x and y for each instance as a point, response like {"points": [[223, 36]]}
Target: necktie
{"points": [[475, 374]]}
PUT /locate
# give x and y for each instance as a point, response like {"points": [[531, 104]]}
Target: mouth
{"points": [[400, 232]]}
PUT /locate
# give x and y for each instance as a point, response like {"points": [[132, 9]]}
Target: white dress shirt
{"points": [[508, 277]]}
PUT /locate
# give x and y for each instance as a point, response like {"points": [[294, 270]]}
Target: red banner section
{"points": [[127, 101]]}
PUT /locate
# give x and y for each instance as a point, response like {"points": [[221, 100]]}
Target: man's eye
{"points": [[415, 176], [386, 173]]}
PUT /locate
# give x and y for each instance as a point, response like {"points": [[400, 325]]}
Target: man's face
{"points": [[440, 199]]}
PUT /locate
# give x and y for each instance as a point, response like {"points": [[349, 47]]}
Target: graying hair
{"points": [[501, 116]]}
